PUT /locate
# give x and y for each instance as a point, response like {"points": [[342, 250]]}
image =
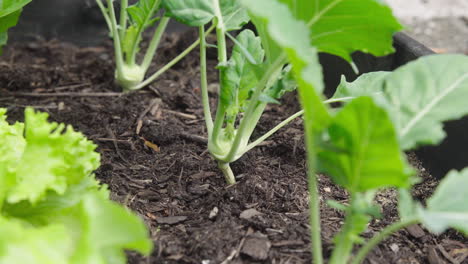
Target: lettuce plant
{"points": [[360, 146], [258, 72], [10, 11], [52, 209], [127, 37]]}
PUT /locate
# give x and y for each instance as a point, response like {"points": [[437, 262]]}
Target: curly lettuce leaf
{"points": [[52, 209], [53, 158]]}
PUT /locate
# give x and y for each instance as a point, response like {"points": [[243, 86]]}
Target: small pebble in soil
{"points": [[249, 213], [213, 213], [256, 246], [171, 220]]}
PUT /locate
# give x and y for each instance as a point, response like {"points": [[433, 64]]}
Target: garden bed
{"points": [[155, 161]]}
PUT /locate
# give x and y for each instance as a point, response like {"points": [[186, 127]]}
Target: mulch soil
{"points": [[155, 161]]}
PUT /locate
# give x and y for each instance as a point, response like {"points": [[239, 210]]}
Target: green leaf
{"points": [[448, 206], [341, 27], [234, 15], [131, 36], [10, 6], [10, 11], [419, 96], [106, 229], [423, 94], [23, 243], [284, 84], [239, 78], [368, 84], [53, 158], [288, 34], [370, 156], [52, 209], [11, 149], [201, 12], [142, 13], [9, 21], [407, 207]]}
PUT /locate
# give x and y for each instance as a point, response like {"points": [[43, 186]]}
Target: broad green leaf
{"points": [[341, 27], [201, 12], [53, 158], [106, 230], [234, 15], [419, 96], [364, 153], [23, 243], [190, 12], [288, 34], [142, 13], [10, 6], [10, 11], [239, 78], [284, 84], [423, 94], [407, 207], [448, 206], [272, 50], [368, 84], [9, 21]]}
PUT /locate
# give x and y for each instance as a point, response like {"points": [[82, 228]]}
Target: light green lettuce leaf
{"points": [[54, 157]]}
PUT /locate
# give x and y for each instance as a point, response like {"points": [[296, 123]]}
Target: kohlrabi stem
{"points": [[314, 204], [106, 15], [272, 131], [132, 56], [171, 63], [222, 60], [154, 43], [123, 19], [246, 121], [284, 123], [204, 82], [226, 169], [116, 37], [382, 235], [344, 240]]}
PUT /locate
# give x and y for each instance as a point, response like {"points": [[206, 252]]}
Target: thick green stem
{"points": [[153, 46], [245, 123], [106, 15], [171, 63], [116, 37], [272, 131], [386, 232], [132, 56], [226, 169], [123, 19], [204, 82], [314, 204], [222, 60]]}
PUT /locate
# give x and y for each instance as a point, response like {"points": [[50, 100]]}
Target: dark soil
{"points": [[154, 160]]}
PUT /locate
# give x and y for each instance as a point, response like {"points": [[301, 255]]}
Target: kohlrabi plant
{"points": [[360, 146], [127, 34], [52, 209], [10, 11], [258, 72]]}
